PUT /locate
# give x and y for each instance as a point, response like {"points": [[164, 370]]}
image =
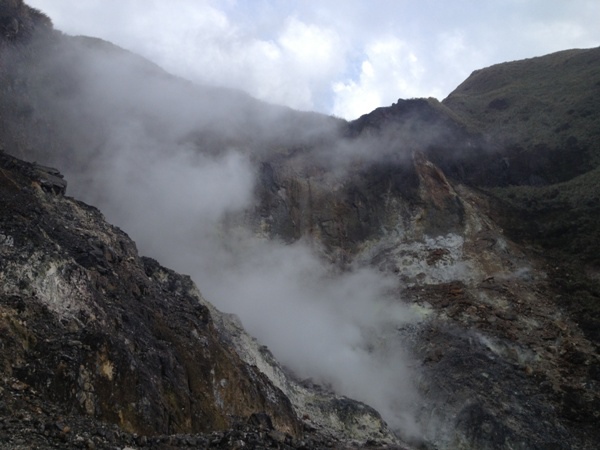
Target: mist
{"points": [[176, 167]]}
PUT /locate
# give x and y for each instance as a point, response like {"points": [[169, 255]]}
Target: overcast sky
{"points": [[342, 57]]}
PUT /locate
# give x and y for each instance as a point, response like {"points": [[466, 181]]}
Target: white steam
{"points": [[338, 329]]}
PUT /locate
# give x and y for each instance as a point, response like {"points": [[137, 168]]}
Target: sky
{"points": [[340, 57]]}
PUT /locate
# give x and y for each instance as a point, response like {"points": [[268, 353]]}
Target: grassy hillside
{"points": [[563, 216], [541, 118], [550, 102]]}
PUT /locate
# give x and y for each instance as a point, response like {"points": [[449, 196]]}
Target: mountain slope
{"points": [[545, 105], [541, 115], [497, 242], [460, 233], [92, 334], [93, 327]]}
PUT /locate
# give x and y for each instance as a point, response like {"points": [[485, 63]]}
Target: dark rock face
{"points": [[494, 342], [18, 22], [341, 213], [91, 326]]}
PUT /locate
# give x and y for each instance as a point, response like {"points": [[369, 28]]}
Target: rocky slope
{"points": [[498, 350], [496, 243], [97, 329], [482, 208], [93, 333]]}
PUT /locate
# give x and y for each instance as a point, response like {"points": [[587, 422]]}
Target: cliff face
{"points": [[93, 327], [499, 343], [476, 213], [487, 223]]}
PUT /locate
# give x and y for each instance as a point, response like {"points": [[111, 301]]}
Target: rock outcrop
{"points": [[96, 328]]}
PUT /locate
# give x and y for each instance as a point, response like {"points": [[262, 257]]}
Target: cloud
{"points": [[569, 34], [389, 70], [459, 57], [312, 56], [287, 69]]}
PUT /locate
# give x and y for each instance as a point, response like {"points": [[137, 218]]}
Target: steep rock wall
{"points": [[104, 332]]}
